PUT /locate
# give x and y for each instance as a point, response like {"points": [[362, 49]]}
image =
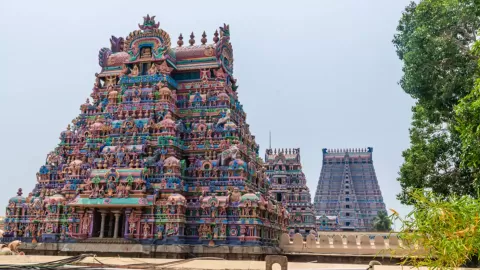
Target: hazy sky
{"points": [[318, 74]]}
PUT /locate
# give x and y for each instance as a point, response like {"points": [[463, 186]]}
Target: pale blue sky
{"points": [[318, 74]]}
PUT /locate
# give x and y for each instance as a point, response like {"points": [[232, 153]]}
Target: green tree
{"points": [[445, 231], [434, 40], [468, 126], [382, 222], [433, 160]]}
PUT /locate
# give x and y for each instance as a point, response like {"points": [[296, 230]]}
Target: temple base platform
{"points": [[139, 250], [100, 247]]}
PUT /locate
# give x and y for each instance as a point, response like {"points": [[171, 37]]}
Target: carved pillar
{"points": [[102, 223], [127, 216], [137, 235], [110, 226], [115, 230]]}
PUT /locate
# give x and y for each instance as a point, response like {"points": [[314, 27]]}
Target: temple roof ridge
{"points": [[282, 150], [288, 153], [347, 150]]}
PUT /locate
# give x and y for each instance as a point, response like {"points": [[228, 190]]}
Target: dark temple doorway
{"points": [[97, 219]]}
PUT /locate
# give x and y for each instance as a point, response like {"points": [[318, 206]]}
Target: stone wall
{"points": [[345, 243], [254, 253]]}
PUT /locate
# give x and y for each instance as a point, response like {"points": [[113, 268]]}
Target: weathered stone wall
{"points": [[149, 251], [252, 253]]}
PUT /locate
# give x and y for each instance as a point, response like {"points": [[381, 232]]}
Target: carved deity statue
{"points": [[134, 71], [121, 190], [160, 229], [235, 195], [112, 95], [86, 223], [128, 188], [110, 188], [153, 69], [224, 119], [204, 74], [111, 80], [146, 230], [164, 68], [131, 228], [220, 74], [146, 52]]}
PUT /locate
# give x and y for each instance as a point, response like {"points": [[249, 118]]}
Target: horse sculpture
{"points": [[230, 153]]}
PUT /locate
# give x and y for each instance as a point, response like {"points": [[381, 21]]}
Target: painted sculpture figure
{"points": [[289, 187], [160, 153]]}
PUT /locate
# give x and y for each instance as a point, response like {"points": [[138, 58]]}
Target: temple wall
{"points": [[349, 243]]}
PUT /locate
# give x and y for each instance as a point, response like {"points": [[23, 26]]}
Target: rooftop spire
{"points": [[204, 38], [215, 36], [180, 40], [192, 39], [270, 139]]}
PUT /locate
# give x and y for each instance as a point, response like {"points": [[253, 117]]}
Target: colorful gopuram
{"points": [[348, 196], [161, 154], [289, 187]]}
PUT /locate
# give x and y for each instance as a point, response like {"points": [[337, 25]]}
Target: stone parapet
{"points": [[348, 243]]}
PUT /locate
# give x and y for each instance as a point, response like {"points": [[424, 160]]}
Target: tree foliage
{"points": [[434, 40], [468, 126], [382, 222], [445, 231], [433, 160]]}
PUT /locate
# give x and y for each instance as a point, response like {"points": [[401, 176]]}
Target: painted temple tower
{"points": [[348, 196], [289, 187], [160, 154]]}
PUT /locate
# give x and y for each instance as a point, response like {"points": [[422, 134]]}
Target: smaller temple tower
{"points": [[289, 187]]}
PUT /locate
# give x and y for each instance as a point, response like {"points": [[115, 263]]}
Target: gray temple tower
{"points": [[347, 190]]}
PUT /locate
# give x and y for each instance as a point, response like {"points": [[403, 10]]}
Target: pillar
{"points": [[139, 230], [102, 223], [152, 230], [110, 225], [125, 226], [90, 229], [115, 230]]}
